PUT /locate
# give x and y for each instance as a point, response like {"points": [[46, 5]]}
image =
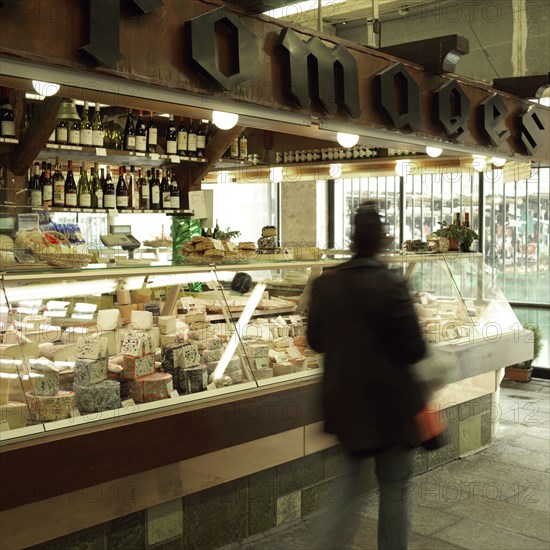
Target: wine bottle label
{"points": [[175, 201], [171, 147], [70, 199], [156, 195], [135, 199], [47, 193], [36, 197], [152, 136], [122, 201], [8, 128], [201, 142], [97, 138], [85, 200], [166, 199], [192, 142], [59, 194], [109, 201], [61, 134], [130, 142], [141, 143], [74, 137], [145, 191], [182, 141], [99, 198], [86, 137]]}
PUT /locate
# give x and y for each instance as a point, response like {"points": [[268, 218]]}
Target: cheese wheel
{"points": [[52, 407]]}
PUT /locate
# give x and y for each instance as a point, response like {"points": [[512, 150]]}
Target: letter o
{"points": [[498, 334], [486, 12]]}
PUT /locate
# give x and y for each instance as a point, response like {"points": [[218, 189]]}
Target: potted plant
{"points": [[460, 237], [522, 372]]}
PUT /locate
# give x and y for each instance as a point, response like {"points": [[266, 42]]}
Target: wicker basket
{"points": [[58, 259]]}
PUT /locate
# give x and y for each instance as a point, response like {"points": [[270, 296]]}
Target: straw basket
{"points": [[58, 259]]}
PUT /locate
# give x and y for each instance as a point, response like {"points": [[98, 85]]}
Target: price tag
{"points": [[101, 151], [154, 156], [211, 386], [75, 412], [52, 146], [128, 403], [175, 159], [140, 154], [174, 393]]}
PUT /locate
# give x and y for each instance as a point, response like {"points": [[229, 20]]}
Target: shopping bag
{"points": [[432, 427]]}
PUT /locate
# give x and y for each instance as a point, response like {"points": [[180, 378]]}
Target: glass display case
{"points": [[91, 346]]}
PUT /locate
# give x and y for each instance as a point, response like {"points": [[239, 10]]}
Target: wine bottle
{"points": [[155, 191], [171, 138], [234, 151], [35, 187], [129, 133], [7, 122], [58, 185], [97, 187], [98, 136], [192, 140], [164, 190], [141, 134], [74, 130], [466, 219], [152, 134], [86, 136], [109, 192], [174, 193], [216, 230], [62, 133], [47, 187], [243, 147], [71, 191], [121, 191], [144, 190], [201, 140], [134, 189], [182, 139], [84, 189]]}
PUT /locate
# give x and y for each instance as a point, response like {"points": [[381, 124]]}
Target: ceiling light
{"points": [[335, 171], [224, 121], [45, 88], [433, 152], [347, 140], [479, 163], [276, 174], [498, 162]]}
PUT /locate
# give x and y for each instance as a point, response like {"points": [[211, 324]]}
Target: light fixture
{"points": [[498, 161], [67, 111], [45, 89], [347, 140], [479, 163], [224, 121], [433, 152], [276, 174], [335, 171], [223, 176]]}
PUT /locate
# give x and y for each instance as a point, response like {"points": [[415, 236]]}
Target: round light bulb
{"points": [[347, 140], [434, 151], [498, 162], [224, 121], [479, 163], [335, 171], [276, 174], [45, 88]]}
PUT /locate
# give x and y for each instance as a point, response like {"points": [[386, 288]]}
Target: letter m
{"points": [[314, 72]]}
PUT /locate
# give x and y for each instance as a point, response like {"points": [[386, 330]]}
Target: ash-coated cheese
{"points": [[191, 357], [108, 319], [214, 343], [91, 346], [210, 355], [153, 387], [137, 343], [261, 362], [141, 320], [154, 333], [195, 318], [234, 364], [90, 371], [280, 369], [260, 374], [52, 407], [172, 357], [236, 376], [14, 413], [257, 350], [167, 324], [136, 367], [45, 383], [104, 396], [194, 379]]}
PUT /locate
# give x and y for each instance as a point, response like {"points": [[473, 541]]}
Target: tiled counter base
{"points": [[232, 511]]}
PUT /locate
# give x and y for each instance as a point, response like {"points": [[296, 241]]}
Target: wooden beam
{"points": [[438, 54], [526, 87], [37, 134], [214, 151]]}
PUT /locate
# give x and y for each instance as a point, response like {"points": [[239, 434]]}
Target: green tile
{"points": [[262, 501], [451, 450], [164, 521], [216, 516], [470, 409], [336, 461], [126, 532], [320, 495], [88, 539], [300, 473], [469, 435], [289, 507]]}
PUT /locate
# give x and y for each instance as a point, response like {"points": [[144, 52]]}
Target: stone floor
{"points": [[497, 498]]}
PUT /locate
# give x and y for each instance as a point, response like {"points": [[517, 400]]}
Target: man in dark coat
{"points": [[362, 318]]}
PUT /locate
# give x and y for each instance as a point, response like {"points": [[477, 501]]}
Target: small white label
{"points": [[182, 141], [101, 151], [74, 137], [36, 197], [154, 156], [192, 143], [171, 147], [141, 144], [152, 136], [97, 138], [130, 142], [47, 192], [85, 200], [86, 137], [201, 142], [127, 403], [175, 159], [211, 386], [175, 202], [99, 196], [109, 201], [135, 199], [156, 195], [145, 191], [8, 128], [166, 199], [122, 201], [61, 134], [70, 199], [174, 393]]}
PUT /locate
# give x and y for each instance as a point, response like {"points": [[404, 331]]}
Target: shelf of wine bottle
{"points": [[9, 140], [78, 153], [78, 210]]}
